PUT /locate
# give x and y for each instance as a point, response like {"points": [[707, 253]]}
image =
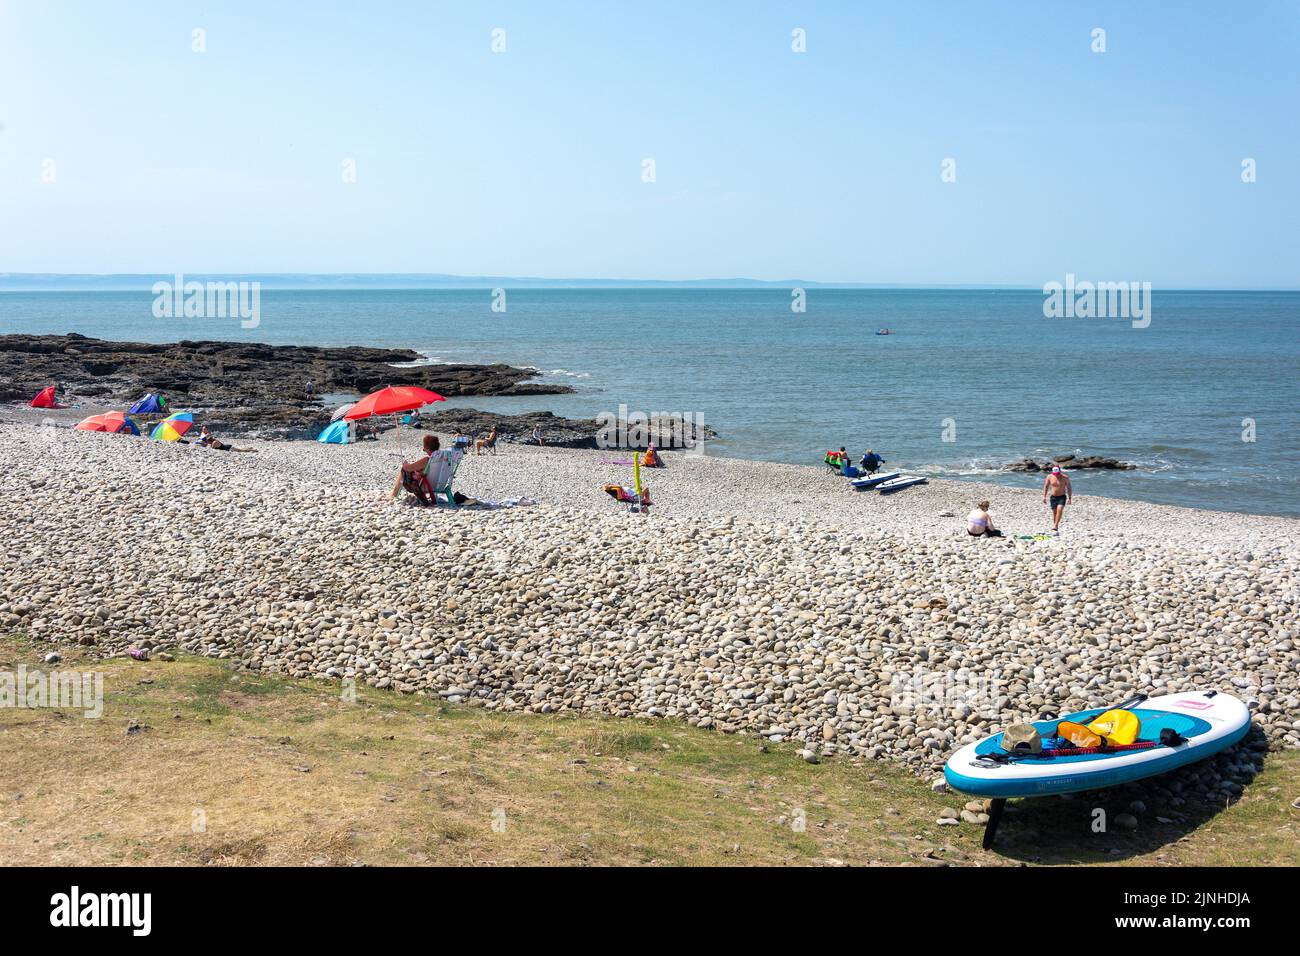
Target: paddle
{"points": [[1131, 702]]}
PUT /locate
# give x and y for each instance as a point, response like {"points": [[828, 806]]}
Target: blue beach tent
{"points": [[335, 433], [152, 403]]}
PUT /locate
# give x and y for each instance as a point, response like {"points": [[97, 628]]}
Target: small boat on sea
{"points": [[884, 331]]}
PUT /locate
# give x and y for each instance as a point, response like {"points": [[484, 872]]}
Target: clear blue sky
{"points": [[770, 164]]}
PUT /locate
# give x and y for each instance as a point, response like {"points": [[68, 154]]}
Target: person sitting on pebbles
{"points": [[408, 476], [979, 524], [209, 440]]}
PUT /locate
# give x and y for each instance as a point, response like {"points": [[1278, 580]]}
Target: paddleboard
{"points": [[872, 480], [906, 481], [1208, 721]]}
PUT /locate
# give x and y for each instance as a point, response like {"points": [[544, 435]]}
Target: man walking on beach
{"points": [[1058, 486]]}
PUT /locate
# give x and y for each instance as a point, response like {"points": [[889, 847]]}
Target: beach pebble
{"points": [[755, 598]]}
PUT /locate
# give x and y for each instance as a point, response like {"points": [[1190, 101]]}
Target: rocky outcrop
{"points": [[557, 432], [255, 387], [1070, 463]]}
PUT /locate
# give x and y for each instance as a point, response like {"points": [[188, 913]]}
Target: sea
{"points": [[1204, 398]]}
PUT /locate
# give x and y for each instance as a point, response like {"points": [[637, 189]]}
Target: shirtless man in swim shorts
{"points": [[1058, 486]]}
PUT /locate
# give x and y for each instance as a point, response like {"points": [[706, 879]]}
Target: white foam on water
{"points": [[426, 358]]}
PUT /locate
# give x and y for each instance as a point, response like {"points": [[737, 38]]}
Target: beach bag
{"points": [[1077, 735], [1117, 726]]}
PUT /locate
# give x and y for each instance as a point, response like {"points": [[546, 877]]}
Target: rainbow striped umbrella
{"points": [[172, 427]]}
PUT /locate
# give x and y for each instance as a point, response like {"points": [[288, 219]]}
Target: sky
{"points": [[123, 150]]}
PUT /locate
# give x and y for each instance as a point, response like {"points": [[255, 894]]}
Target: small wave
{"points": [[1156, 466], [565, 373], [961, 469], [426, 358]]}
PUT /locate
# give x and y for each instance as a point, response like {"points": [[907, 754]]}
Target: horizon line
{"points": [[488, 281]]}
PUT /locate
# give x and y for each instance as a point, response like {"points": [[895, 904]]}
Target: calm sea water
{"points": [[982, 367]]}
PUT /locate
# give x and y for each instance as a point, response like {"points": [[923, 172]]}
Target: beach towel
{"points": [[616, 461], [494, 505]]}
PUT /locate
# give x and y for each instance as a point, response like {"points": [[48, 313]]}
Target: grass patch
{"points": [[231, 769]]}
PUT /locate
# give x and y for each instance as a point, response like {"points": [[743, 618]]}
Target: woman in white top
{"points": [[979, 524]]}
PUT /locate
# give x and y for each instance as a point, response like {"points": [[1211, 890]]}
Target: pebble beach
{"points": [[756, 598]]}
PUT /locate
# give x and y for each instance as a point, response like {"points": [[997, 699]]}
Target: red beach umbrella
{"points": [[112, 422], [392, 400]]}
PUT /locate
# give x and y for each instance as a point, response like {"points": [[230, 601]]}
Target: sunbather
{"points": [[409, 475], [979, 524], [490, 443], [208, 440]]}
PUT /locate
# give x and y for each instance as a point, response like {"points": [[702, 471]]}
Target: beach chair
{"points": [[836, 461], [439, 472]]}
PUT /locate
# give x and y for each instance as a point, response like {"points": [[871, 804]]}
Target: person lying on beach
{"points": [[979, 524], [1058, 487], [408, 476], [209, 440], [490, 443]]}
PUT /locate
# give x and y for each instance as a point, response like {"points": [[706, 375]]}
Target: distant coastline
{"points": [[378, 281]]}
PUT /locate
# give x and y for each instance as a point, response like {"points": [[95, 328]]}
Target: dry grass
{"points": [[283, 772]]}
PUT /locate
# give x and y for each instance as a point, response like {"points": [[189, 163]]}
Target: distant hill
{"points": [[24, 282]]}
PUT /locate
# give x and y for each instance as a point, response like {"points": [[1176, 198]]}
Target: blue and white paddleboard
{"points": [[872, 480], [897, 484], [1208, 722]]}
